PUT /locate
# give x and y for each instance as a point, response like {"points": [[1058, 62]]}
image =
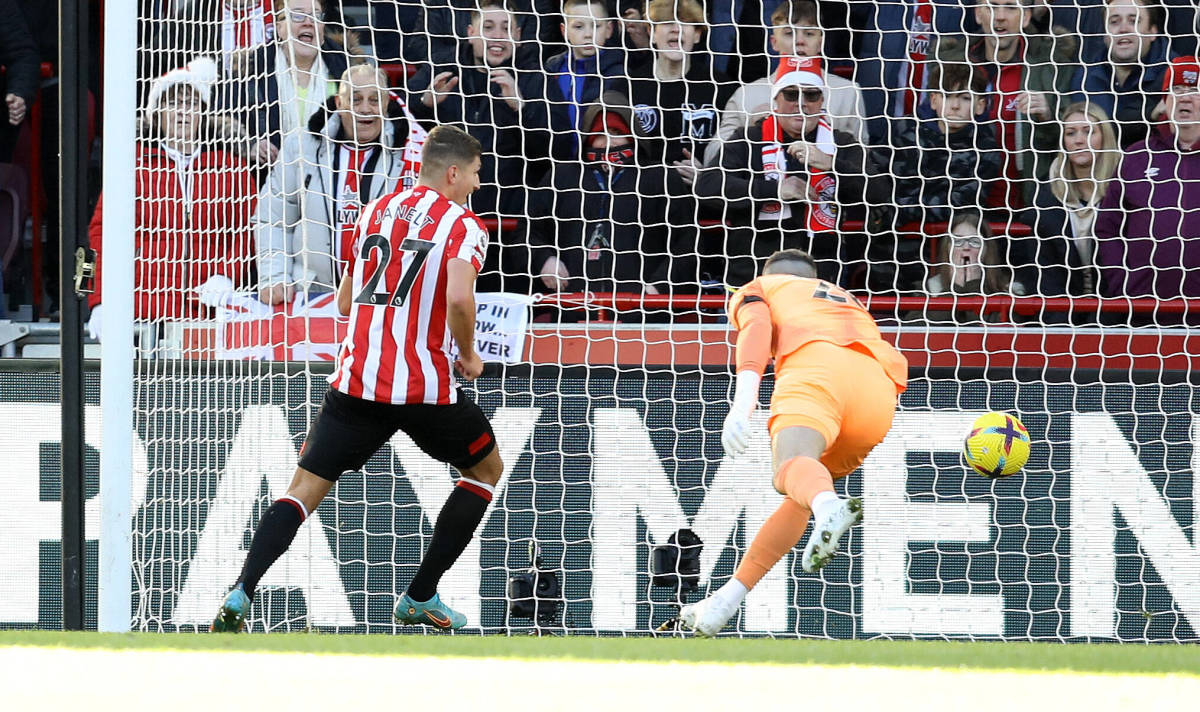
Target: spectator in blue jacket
{"points": [[574, 78], [1128, 85]]}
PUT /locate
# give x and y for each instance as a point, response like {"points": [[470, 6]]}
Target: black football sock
{"points": [[274, 535], [455, 526]]}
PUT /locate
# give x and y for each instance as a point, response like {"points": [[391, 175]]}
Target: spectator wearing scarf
{"points": [[791, 174]]}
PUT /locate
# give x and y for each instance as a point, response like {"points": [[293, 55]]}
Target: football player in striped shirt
{"points": [[409, 290]]}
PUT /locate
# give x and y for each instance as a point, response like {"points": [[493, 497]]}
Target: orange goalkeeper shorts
{"points": [[841, 392]]}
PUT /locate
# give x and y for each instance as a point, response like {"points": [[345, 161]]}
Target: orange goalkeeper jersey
{"points": [[804, 310]]}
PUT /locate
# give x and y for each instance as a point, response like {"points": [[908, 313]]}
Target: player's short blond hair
{"points": [[448, 146]]}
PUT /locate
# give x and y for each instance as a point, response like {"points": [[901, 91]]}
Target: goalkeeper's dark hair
{"points": [[797, 262], [448, 146]]}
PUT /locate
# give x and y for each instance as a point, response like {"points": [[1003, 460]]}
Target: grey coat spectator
{"points": [[500, 100], [1149, 225], [310, 201], [1127, 83]]}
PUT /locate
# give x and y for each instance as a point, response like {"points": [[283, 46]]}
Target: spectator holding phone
{"points": [[497, 94]]}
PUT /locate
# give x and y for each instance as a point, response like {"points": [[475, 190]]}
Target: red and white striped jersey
{"points": [[397, 346]]}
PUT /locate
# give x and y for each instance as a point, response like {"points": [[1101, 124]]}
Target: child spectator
{"points": [[796, 32], [601, 225], [941, 164], [499, 98], [361, 145], [787, 178], [1148, 230], [968, 258], [675, 98], [192, 207], [281, 84], [574, 78], [968, 262], [1065, 209]]}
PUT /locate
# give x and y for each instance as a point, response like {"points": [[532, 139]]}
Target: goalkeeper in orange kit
{"points": [[836, 384]]}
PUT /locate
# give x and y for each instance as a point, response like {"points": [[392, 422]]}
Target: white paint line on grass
{"points": [[179, 681]]}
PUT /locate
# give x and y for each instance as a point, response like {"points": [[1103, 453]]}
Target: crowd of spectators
{"points": [[1023, 147]]}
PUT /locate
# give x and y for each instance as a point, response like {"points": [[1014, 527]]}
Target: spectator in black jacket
{"points": [[676, 98], [444, 23], [1065, 210], [223, 29], [500, 100], [940, 164], [789, 178], [602, 224], [19, 55]]}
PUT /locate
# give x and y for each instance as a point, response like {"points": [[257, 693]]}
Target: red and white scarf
{"points": [[920, 38], [246, 28], [822, 215], [348, 201]]}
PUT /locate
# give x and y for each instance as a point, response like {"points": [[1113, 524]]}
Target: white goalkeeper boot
{"points": [[828, 531], [709, 616]]}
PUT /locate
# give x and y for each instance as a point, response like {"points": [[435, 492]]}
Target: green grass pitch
{"points": [[1033, 657]]}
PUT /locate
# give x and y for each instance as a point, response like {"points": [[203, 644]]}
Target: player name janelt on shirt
{"points": [[397, 347]]}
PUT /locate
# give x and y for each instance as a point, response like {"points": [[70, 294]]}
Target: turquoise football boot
{"points": [[232, 616], [432, 612]]}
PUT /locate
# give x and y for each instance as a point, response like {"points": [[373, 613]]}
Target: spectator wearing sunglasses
{"points": [[796, 32], [790, 179]]}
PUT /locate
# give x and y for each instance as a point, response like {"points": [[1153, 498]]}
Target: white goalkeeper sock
{"points": [[824, 503], [732, 592]]}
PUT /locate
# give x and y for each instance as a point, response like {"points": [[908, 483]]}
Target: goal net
{"points": [[956, 167]]}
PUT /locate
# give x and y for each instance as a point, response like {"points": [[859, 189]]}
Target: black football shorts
{"points": [[349, 430]]}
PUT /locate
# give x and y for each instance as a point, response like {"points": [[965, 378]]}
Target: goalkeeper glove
{"points": [[735, 433]]}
